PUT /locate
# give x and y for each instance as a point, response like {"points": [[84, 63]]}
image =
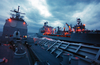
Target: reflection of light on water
{"points": [[31, 35], [47, 38]]}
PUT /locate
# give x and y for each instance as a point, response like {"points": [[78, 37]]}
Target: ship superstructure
{"points": [[14, 23], [46, 29], [78, 33]]}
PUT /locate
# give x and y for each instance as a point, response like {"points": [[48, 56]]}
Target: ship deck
{"points": [[40, 53], [44, 55], [6, 52]]}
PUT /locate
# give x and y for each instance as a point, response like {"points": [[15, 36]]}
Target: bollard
{"points": [[65, 59], [74, 60]]}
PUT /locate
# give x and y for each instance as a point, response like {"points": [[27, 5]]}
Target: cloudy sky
{"points": [[56, 12]]}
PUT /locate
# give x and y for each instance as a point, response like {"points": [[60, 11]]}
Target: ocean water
{"points": [[29, 34], [32, 35]]}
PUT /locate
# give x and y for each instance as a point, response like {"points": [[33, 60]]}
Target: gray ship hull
{"points": [[89, 38]]}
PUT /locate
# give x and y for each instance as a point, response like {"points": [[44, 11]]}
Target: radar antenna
{"points": [[45, 23], [18, 8], [17, 13], [78, 21]]}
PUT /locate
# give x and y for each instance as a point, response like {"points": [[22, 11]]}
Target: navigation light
{"points": [[24, 23], [9, 20]]}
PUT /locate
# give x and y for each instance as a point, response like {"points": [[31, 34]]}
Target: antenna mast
{"points": [[18, 8]]}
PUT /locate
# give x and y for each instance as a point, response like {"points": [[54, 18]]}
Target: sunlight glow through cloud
{"points": [[53, 24], [41, 6], [56, 23]]}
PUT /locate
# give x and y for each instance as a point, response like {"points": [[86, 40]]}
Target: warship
{"points": [[13, 37], [16, 48], [14, 23], [78, 33]]}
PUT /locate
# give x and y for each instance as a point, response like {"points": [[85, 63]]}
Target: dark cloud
{"points": [[35, 19], [95, 20], [60, 10], [2, 22], [67, 7], [34, 15], [61, 3], [33, 28]]}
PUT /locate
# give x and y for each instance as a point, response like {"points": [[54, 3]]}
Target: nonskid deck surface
{"points": [[8, 54], [67, 53], [44, 55]]}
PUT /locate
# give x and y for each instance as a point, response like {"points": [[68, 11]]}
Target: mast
{"points": [[17, 15], [18, 8]]}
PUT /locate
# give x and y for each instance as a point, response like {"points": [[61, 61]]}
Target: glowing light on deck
{"points": [[47, 31], [79, 30], [83, 24], [53, 31], [78, 27], [64, 28], [9, 20], [24, 23], [76, 58]]}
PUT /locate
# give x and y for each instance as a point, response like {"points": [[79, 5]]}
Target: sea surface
{"points": [[29, 34], [32, 35]]}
